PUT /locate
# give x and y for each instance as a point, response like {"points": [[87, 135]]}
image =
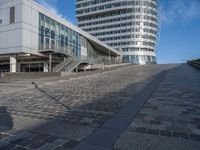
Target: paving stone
{"points": [[40, 137], [50, 139], [48, 147], [119, 122], [181, 135], [60, 148], [153, 131], [7, 147], [156, 122], [17, 141], [165, 133], [70, 144], [25, 142], [18, 148], [195, 137], [60, 129], [141, 130], [3, 135], [86, 146], [36, 145], [60, 141], [103, 137]]}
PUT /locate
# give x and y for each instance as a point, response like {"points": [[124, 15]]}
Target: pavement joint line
{"points": [[108, 133]]}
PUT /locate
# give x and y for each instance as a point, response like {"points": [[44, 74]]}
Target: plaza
{"points": [[157, 108]]}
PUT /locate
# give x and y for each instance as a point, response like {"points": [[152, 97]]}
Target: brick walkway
{"points": [[62, 115], [170, 120]]}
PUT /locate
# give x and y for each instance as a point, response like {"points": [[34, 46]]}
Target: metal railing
{"points": [[66, 50]]}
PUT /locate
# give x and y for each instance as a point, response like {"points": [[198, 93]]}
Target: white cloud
{"points": [[52, 6], [49, 4], [184, 10]]}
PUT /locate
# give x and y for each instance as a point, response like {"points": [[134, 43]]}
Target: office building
{"points": [[129, 26], [33, 39]]}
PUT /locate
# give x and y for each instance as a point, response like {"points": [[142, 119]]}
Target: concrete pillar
{"points": [[46, 67], [13, 64], [84, 68], [18, 67], [65, 60], [50, 62], [109, 57]]}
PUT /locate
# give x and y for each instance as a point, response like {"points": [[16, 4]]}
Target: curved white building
{"points": [[130, 26]]}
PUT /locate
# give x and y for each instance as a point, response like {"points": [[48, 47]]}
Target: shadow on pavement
{"points": [[6, 120]]}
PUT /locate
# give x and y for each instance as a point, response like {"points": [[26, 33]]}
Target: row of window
{"points": [[119, 20], [133, 10], [130, 24], [94, 2], [124, 31], [128, 15], [133, 36], [117, 4], [136, 59], [128, 43], [130, 49]]}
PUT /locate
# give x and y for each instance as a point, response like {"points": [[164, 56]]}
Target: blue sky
{"points": [[180, 27]]}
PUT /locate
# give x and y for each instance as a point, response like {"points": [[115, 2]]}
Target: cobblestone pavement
{"points": [[59, 116], [170, 120]]}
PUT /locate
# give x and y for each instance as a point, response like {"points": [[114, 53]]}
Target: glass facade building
{"points": [[129, 26], [34, 39], [58, 37], [55, 36]]}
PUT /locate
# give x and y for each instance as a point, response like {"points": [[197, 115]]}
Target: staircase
{"points": [[72, 65], [69, 65], [59, 67]]}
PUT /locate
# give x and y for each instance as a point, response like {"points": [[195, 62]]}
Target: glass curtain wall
{"points": [[57, 37]]}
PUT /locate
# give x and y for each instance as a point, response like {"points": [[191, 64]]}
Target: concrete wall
{"points": [[30, 25], [10, 34]]}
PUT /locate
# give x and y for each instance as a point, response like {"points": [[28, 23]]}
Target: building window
{"points": [[12, 15]]}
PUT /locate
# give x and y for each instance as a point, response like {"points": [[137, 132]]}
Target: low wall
{"points": [[30, 74], [117, 65], [194, 64], [100, 66]]}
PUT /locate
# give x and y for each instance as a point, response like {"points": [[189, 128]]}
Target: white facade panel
{"points": [[4, 17], [10, 34]]}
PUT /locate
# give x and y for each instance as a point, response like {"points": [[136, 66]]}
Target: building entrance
{"points": [[4, 68], [32, 67]]}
